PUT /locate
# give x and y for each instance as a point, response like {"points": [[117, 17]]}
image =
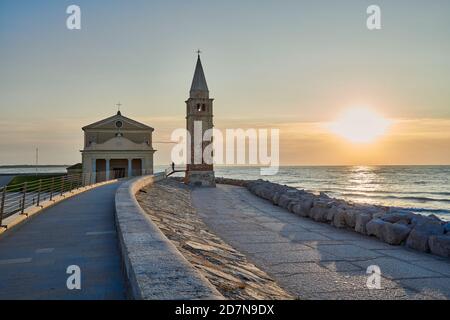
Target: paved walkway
{"points": [[78, 231], [314, 260]]}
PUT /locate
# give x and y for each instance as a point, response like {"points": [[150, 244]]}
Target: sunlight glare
{"points": [[360, 125]]}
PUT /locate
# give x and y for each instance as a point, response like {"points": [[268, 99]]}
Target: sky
{"points": [[293, 65]]}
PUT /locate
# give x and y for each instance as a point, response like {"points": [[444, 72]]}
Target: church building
{"points": [[117, 147]]}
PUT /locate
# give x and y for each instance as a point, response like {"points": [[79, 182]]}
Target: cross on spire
{"points": [[118, 105], [198, 51]]}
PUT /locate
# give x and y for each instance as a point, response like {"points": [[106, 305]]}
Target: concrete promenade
{"points": [[78, 231], [314, 260]]}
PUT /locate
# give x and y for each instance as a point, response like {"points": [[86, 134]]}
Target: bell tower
{"points": [[199, 118]]}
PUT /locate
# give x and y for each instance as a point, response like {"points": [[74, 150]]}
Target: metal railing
{"points": [[16, 198], [174, 169]]}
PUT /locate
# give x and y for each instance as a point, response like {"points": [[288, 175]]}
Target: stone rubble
{"points": [[168, 203], [392, 225]]}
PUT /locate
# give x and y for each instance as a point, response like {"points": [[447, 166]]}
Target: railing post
{"points": [[2, 204], [39, 193], [51, 188], [24, 193], [62, 185]]}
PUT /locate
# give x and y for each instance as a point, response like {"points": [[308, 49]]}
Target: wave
{"points": [[389, 192], [418, 199], [437, 211]]}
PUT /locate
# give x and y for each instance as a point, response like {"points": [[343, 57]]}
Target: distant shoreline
{"points": [[26, 166]]}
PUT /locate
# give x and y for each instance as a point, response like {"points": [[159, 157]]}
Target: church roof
{"points": [[199, 81], [110, 123]]}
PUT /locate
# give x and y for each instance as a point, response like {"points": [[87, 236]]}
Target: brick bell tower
{"points": [[199, 118]]}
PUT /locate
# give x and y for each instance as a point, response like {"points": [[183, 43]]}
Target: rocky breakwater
{"points": [[392, 225]]}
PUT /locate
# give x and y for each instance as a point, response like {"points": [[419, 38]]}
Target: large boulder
{"points": [[394, 233], [440, 245], [303, 207], [419, 236], [291, 205], [297, 209], [419, 219], [398, 215], [339, 218], [374, 226], [329, 217], [267, 192], [284, 200], [350, 218], [447, 227], [361, 222], [319, 211], [276, 197]]}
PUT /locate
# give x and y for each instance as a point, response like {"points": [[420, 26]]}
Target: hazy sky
{"points": [[293, 65]]}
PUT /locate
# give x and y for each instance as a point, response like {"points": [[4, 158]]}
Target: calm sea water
{"points": [[423, 189], [32, 170]]}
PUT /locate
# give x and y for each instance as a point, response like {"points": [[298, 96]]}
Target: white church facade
{"points": [[117, 147]]}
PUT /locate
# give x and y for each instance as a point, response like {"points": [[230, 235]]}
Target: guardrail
{"points": [[174, 169], [15, 198]]}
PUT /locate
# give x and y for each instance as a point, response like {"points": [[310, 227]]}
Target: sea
{"points": [[422, 189], [12, 170]]}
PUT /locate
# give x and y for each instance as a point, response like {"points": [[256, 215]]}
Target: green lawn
{"points": [[31, 178]]}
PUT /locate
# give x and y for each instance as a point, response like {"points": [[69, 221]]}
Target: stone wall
{"points": [[395, 226], [154, 268]]}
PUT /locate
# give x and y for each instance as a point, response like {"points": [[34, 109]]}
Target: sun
{"points": [[360, 125]]}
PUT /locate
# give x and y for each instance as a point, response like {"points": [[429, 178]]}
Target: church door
{"points": [[119, 173]]}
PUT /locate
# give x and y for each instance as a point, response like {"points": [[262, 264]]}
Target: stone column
{"points": [[130, 167], [107, 169], [143, 166], [94, 171]]}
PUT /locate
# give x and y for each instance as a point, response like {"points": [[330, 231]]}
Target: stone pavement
{"points": [[78, 231], [313, 260]]}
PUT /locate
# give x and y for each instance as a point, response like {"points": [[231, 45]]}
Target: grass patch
{"points": [[31, 178]]}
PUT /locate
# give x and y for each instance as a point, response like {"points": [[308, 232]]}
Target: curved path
{"points": [[78, 231], [314, 260]]}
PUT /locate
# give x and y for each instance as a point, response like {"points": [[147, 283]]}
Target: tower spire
{"points": [[199, 87]]}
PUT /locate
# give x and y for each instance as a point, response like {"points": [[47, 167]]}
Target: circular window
{"points": [[119, 124]]}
